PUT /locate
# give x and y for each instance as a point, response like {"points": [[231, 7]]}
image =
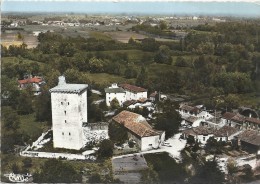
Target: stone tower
{"points": [[69, 112]]}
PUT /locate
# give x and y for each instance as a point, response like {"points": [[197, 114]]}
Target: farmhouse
{"points": [[134, 92], [249, 140], [34, 82], [186, 110], [139, 130], [225, 133], [124, 92], [200, 134], [69, 112], [115, 92], [240, 122]]}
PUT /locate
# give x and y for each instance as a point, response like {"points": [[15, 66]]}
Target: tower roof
{"points": [[63, 87]]}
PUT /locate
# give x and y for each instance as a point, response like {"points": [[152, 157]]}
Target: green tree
{"points": [[208, 173], [43, 105], [25, 105], [117, 133], [163, 25], [114, 104], [141, 78], [163, 55], [10, 118], [168, 119], [57, 171], [106, 148]]}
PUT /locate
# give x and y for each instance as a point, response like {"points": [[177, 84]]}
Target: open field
{"points": [[125, 36]]}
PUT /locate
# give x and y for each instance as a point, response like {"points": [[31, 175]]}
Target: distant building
{"points": [[200, 134], [69, 113], [249, 140], [140, 131], [134, 92], [124, 92], [115, 92], [226, 133], [34, 82], [239, 121]]}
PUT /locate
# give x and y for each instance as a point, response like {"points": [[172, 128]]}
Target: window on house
{"points": [[150, 145], [203, 138]]}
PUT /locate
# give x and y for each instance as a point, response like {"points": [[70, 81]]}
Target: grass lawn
{"points": [[99, 35], [30, 127], [105, 79]]}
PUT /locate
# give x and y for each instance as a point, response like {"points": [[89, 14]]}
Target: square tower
{"points": [[69, 112]]}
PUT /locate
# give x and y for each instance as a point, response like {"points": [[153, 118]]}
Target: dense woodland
{"points": [[213, 65]]}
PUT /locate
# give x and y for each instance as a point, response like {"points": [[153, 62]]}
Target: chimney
{"points": [[62, 80]]}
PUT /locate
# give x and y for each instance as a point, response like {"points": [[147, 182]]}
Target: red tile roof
{"points": [[250, 136], [30, 80], [200, 130], [135, 123], [132, 88], [189, 108], [253, 120], [228, 115], [225, 131]]}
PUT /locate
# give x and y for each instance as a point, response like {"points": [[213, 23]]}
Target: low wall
{"points": [[57, 155]]}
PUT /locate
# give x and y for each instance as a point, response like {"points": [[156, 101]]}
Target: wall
{"points": [[68, 112], [200, 138], [57, 155], [150, 142], [119, 96]]}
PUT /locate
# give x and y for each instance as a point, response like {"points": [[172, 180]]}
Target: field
{"points": [[125, 36]]}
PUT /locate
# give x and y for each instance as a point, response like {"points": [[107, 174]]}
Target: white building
{"points": [[115, 92], [134, 92], [140, 131], [69, 111], [124, 92], [200, 134]]}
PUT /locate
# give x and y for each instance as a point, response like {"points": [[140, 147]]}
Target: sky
{"points": [[238, 9]]}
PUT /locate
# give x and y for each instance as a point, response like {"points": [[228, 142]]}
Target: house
{"points": [[141, 103], [133, 92], [153, 95], [186, 110], [192, 121], [249, 140], [69, 113], [115, 92], [240, 122], [200, 134], [139, 130], [225, 133], [34, 82]]}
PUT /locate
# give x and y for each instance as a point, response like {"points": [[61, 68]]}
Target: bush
{"points": [[106, 148]]}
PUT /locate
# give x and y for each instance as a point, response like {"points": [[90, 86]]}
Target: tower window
{"points": [[61, 103], [65, 112], [62, 133], [68, 103], [69, 133], [65, 121]]}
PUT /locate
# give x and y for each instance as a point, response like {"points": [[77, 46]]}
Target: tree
{"points": [[208, 173], [25, 105], [106, 148], [149, 44], [117, 133], [43, 105], [181, 62], [94, 178], [57, 171], [163, 25], [114, 104], [142, 77], [163, 55], [10, 118], [168, 119]]}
